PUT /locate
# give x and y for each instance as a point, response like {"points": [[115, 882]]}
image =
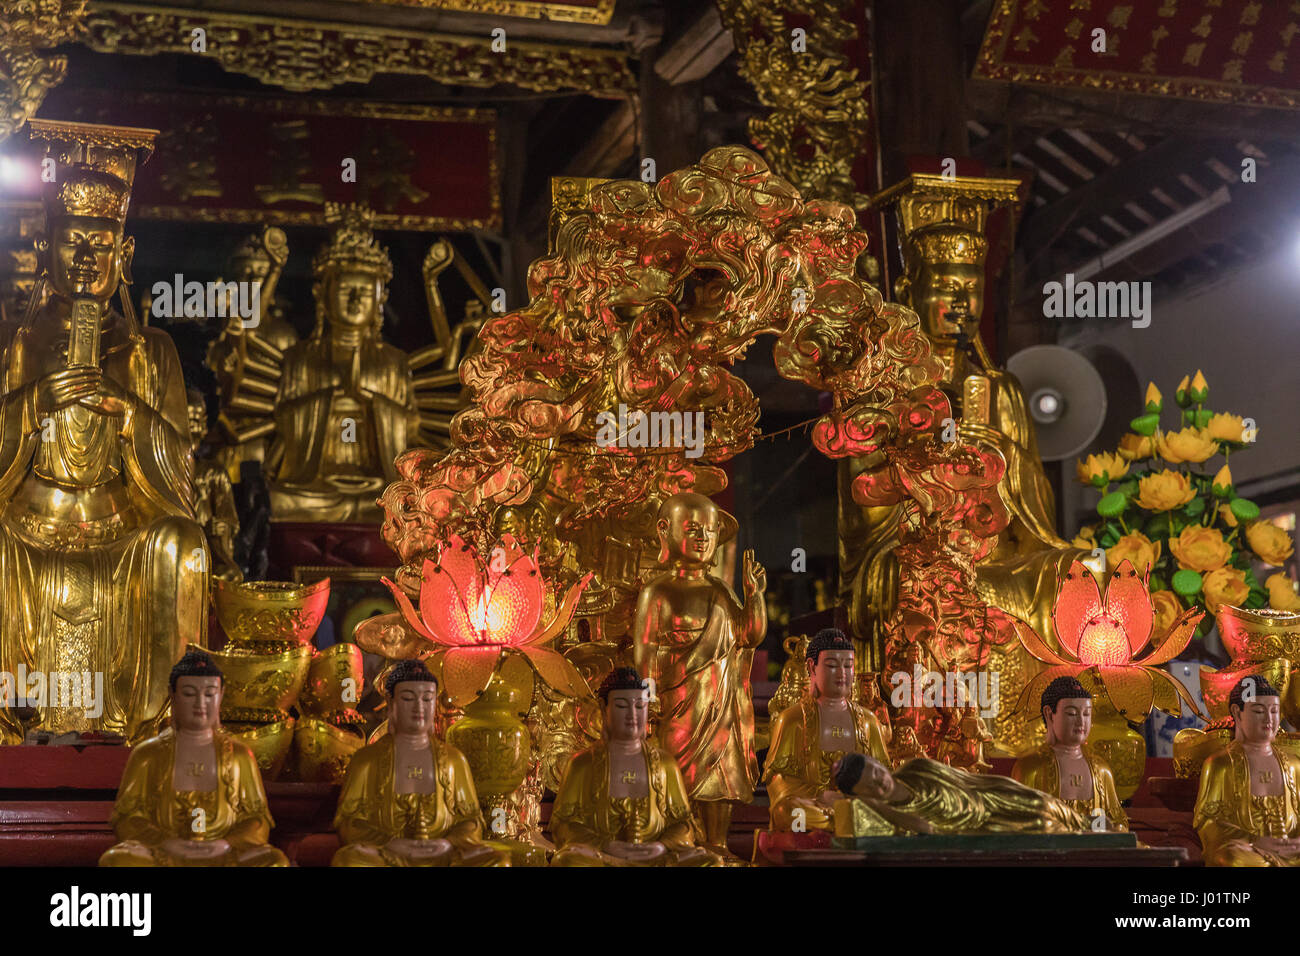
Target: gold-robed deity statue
{"points": [[941, 232], [346, 404], [810, 737], [926, 796], [103, 567], [1065, 766], [408, 799], [192, 796], [214, 495], [623, 802], [696, 642], [1248, 807]]}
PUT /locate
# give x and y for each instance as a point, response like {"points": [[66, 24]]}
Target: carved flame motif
{"points": [[1103, 639]]}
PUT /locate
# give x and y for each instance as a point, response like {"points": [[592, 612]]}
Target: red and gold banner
{"points": [[1221, 51], [254, 160]]}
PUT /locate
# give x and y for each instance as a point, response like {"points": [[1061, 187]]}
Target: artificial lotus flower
{"points": [[476, 612], [1226, 427], [1100, 470], [1133, 446], [1103, 639], [1188, 444]]}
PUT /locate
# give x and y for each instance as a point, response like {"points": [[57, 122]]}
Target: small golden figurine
{"points": [[1065, 766], [103, 567], [409, 800], [810, 737], [925, 796], [623, 802], [696, 642], [346, 404], [1248, 808], [192, 796], [214, 495]]}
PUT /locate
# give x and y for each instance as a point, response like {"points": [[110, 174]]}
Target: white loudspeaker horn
{"points": [[1066, 396]]}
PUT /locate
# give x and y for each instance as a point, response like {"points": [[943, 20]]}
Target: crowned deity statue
{"points": [[926, 796], [1248, 807], [193, 795], [941, 232], [346, 403], [811, 736], [696, 642], [1065, 766], [623, 802], [104, 570], [409, 799]]}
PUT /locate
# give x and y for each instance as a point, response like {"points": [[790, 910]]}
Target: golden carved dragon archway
{"points": [[649, 293]]}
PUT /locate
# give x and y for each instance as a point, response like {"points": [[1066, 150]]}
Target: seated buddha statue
{"points": [[1248, 807], [809, 737], [925, 796], [346, 403], [192, 796], [623, 802], [1065, 766], [408, 799]]}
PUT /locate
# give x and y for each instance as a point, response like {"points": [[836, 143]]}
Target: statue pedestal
{"points": [[1001, 849], [55, 804]]}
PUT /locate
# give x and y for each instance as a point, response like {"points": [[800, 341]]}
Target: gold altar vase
{"points": [[494, 738], [1120, 744]]}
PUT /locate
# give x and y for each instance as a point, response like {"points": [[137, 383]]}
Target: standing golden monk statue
{"points": [[941, 231], [103, 569], [623, 802], [696, 642], [810, 738], [346, 404], [1248, 807], [409, 800], [193, 795]]}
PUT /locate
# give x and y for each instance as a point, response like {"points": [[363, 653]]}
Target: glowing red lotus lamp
{"points": [[1102, 641], [478, 612]]}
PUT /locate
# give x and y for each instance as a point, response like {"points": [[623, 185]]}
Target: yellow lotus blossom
{"points": [[1200, 549], [1271, 543], [1134, 446], [1189, 444], [1166, 607], [1225, 427], [1199, 384], [1153, 395], [1164, 491], [1225, 585], [1101, 468], [1281, 593], [1138, 548]]}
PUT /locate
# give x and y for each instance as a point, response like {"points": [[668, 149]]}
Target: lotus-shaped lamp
{"points": [[475, 612], [1104, 640]]}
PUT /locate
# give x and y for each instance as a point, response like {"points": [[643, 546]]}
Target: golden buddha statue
{"points": [[941, 229], [1248, 807], [104, 567], [810, 737], [926, 796], [214, 495], [1065, 766], [346, 404], [192, 796], [623, 802], [696, 643], [409, 800]]}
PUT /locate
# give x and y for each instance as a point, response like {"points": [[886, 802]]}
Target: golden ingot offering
{"points": [[1258, 635], [334, 681], [269, 742], [258, 681], [322, 751], [256, 612]]}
